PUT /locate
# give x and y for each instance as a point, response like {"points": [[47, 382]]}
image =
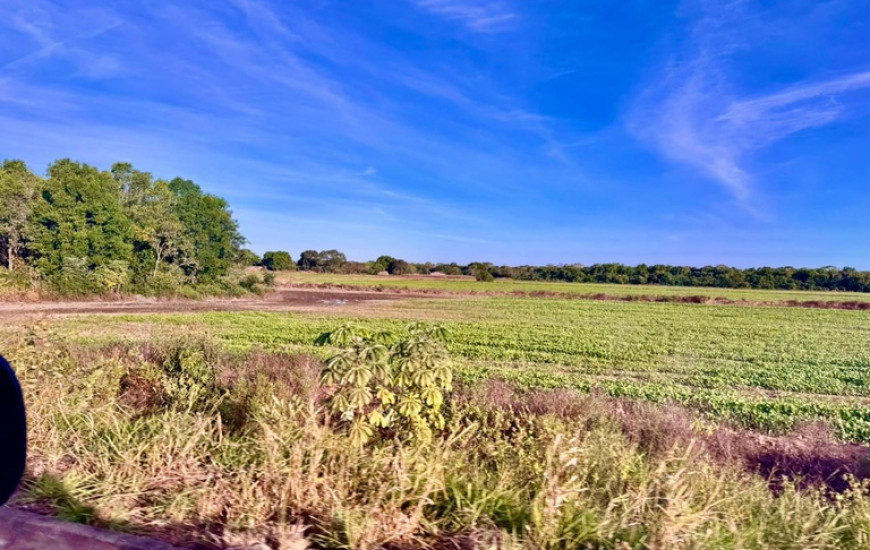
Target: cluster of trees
{"points": [[79, 229], [785, 278]]}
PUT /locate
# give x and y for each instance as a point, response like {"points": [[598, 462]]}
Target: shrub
{"points": [[19, 279], [251, 283], [278, 260], [246, 257], [379, 386], [167, 280], [484, 276], [112, 276], [400, 267], [190, 381], [75, 277]]}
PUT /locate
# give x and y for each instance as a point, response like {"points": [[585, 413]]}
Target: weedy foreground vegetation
{"points": [[495, 423]]}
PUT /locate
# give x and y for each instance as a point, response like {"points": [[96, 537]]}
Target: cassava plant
{"points": [[382, 382]]}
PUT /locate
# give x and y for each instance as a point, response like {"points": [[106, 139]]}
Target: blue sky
{"points": [[507, 131]]}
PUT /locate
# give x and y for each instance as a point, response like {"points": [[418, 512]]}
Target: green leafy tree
{"points": [[330, 261], [309, 260], [18, 187], [247, 258], [78, 214], [214, 237], [159, 236], [278, 260], [381, 383], [382, 264], [113, 276], [400, 267], [74, 277]]}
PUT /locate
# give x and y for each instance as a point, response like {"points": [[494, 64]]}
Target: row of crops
{"points": [[760, 367]]}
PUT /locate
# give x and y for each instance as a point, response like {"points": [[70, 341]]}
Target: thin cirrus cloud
{"points": [[477, 16], [373, 128], [693, 113]]}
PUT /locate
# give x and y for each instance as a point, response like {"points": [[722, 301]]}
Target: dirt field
{"points": [[283, 299]]}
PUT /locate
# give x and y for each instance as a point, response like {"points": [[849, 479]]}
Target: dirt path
{"points": [[283, 299]]}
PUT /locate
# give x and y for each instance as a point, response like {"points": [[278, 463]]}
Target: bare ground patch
{"points": [[284, 299]]}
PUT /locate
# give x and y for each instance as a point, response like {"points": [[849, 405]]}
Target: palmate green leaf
{"points": [[373, 353], [381, 371], [444, 374], [329, 377], [403, 380], [410, 405], [382, 337], [360, 431], [385, 396], [340, 362], [379, 419], [357, 375], [439, 332], [423, 379], [360, 396], [340, 402], [433, 397]]}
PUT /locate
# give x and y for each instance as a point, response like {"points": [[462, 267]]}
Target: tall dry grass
{"points": [[183, 441]]}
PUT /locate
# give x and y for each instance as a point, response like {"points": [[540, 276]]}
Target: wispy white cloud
{"points": [[693, 112], [478, 16], [55, 35], [282, 110]]}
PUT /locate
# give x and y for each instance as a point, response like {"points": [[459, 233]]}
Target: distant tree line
{"points": [[79, 229], [783, 278]]}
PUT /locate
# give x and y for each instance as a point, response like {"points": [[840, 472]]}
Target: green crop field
{"points": [[580, 289], [761, 367], [576, 423]]}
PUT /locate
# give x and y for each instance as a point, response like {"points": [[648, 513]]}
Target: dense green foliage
{"points": [[762, 367], [384, 381], [248, 258], [785, 278], [329, 261], [83, 230], [781, 278], [278, 260], [827, 278]]}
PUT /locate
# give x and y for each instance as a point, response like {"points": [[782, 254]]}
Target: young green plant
{"points": [[382, 382]]}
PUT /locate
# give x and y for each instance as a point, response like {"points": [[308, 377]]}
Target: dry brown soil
{"points": [[283, 299]]}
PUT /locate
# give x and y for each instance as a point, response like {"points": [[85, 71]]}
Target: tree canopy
{"points": [[278, 260], [329, 261], [84, 228]]}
